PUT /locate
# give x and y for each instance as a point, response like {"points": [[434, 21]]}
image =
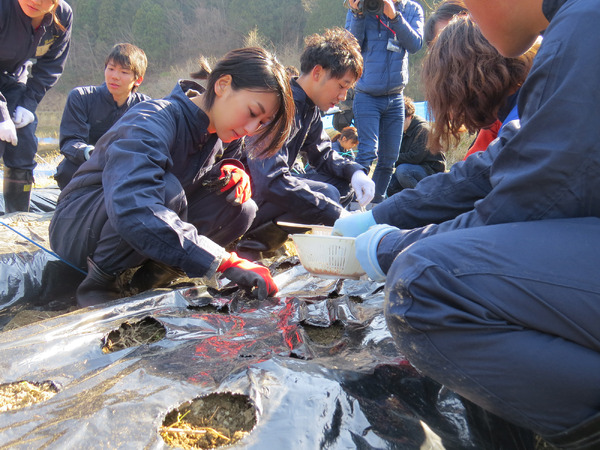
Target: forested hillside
{"points": [[173, 33]]}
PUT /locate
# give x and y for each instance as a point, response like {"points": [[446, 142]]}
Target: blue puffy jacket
{"points": [[386, 72]]}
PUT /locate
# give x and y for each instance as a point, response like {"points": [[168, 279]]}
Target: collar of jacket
{"points": [[415, 122], [47, 20], [300, 95], [551, 7], [182, 88]]}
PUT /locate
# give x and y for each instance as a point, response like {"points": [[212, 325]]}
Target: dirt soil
{"points": [[325, 335], [209, 422], [24, 393], [145, 331]]}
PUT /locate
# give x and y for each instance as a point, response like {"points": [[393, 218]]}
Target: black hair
{"points": [[254, 69], [336, 50]]}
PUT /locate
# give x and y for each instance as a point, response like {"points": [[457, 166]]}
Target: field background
{"points": [[175, 33]]}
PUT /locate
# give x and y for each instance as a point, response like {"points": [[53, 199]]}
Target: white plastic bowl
{"points": [[328, 256]]}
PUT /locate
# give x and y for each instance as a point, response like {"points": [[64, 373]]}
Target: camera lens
{"points": [[373, 6]]}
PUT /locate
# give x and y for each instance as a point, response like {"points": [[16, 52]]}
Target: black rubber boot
{"points": [[154, 274], [585, 436], [97, 287], [267, 237], [17, 189]]}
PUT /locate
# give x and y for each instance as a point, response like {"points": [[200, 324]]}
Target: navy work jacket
{"points": [[272, 179], [546, 168], [19, 43], [89, 113], [128, 166]]}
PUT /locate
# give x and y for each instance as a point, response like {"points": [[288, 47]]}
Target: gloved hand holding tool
{"points": [[238, 181], [22, 117], [8, 132], [249, 275]]}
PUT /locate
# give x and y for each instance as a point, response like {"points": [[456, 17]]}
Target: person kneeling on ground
{"points": [[329, 65], [151, 194]]}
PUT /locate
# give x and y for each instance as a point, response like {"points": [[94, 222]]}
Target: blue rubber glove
{"points": [[366, 250], [87, 151], [353, 225]]}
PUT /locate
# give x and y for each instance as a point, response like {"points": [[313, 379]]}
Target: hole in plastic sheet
{"points": [[210, 305], [25, 393], [355, 298], [145, 331], [325, 336], [285, 264], [208, 422]]}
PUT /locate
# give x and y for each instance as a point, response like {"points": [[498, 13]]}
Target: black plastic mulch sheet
{"points": [[30, 275], [353, 392]]}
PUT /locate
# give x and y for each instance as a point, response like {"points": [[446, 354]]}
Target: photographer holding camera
{"points": [[387, 32]]}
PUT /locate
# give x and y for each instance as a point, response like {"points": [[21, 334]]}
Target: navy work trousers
{"points": [[21, 156], [507, 316], [87, 231], [336, 189]]}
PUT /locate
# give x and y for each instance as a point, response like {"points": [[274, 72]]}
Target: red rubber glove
{"points": [[249, 275], [239, 181]]}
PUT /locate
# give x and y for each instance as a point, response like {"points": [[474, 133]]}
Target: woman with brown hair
{"points": [[152, 194], [468, 84]]}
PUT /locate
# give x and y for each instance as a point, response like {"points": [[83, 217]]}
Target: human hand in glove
{"points": [[22, 117], [238, 181], [8, 132], [249, 275], [353, 224], [87, 151], [366, 250], [363, 186]]}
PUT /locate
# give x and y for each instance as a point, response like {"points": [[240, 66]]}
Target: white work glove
{"points": [[22, 117], [87, 151], [8, 132], [363, 186]]}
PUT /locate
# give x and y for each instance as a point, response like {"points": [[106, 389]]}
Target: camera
{"points": [[374, 7]]}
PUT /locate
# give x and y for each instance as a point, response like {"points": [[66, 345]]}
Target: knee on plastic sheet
{"points": [[411, 339], [397, 302]]}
